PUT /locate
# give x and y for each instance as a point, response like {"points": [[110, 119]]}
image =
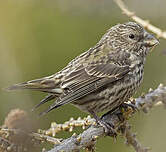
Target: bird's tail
{"points": [[46, 84]]}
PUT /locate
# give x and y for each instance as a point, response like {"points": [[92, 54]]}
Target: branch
{"points": [[15, 136], [131, 139], [88, 137], [145, 24], [68, 125]]}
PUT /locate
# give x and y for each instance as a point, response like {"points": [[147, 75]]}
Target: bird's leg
{"points": [[107, 126], [124, 107]]}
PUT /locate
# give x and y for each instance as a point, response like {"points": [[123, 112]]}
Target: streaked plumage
{"points": [[103, 77]]}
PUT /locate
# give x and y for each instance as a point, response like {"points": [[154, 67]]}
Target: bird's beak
{"points": [[150, 40]]}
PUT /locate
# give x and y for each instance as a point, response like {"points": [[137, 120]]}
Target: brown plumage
{"points": [[103, 77]]}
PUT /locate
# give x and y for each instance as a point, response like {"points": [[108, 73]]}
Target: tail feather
{"points": [[17, 87], [53, 106], [46, 99], [43, 84]]}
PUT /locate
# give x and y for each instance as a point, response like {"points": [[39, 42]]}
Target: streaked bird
{"points": [[102, 78]]}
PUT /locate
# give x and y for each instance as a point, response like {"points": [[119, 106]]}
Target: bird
{"points": [[103, 77]]}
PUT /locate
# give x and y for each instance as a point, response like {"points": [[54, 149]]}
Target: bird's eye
{"points": [[131, 36]]}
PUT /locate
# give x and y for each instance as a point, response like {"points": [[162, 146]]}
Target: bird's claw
{"points": [[108, 128], [132, 106]]}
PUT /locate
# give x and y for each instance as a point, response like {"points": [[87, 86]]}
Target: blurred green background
{"points": [[39, 37]]}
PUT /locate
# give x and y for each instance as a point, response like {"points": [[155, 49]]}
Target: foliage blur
{"points": [[38, 38]]}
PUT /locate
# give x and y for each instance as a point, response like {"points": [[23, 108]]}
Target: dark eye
{"points": [[131, 36]]}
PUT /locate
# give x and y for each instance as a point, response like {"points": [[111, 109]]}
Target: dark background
{"points": [[39, 37]]}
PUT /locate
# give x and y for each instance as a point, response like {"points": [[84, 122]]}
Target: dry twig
{"points": [[132, 140]]}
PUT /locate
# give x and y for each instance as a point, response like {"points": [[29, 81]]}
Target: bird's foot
{"points": [[132, 106], [108, 127], [125, 111]]}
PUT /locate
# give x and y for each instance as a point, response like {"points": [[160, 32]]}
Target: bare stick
{"points": [[132, 140]]}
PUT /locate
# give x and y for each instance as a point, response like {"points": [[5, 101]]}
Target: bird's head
{"points": [[131, 37]]}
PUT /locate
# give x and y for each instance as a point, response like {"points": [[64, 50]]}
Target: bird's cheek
{"points": [[144, 50], [133, 46]]}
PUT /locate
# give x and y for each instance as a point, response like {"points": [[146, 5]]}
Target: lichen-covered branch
{"points": [[89, 136], [16, 137], [68, 126], [144, 23]]}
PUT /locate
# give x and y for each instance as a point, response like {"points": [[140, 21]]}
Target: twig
{"points": [[35, 136], [49, 139], [132, 140], [68, 125], [89, 136], [6, 145], [144, 23]]}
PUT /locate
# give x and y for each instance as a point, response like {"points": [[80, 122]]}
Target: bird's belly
{"points": [[112, 95]]}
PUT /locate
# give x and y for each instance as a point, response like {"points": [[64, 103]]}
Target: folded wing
{"points": [[85, 80]]}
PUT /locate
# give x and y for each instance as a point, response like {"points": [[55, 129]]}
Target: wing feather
{"points": [[86, 80]]}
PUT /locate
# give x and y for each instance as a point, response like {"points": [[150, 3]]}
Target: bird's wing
{"points": [[85, 80], [107, 70]]}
